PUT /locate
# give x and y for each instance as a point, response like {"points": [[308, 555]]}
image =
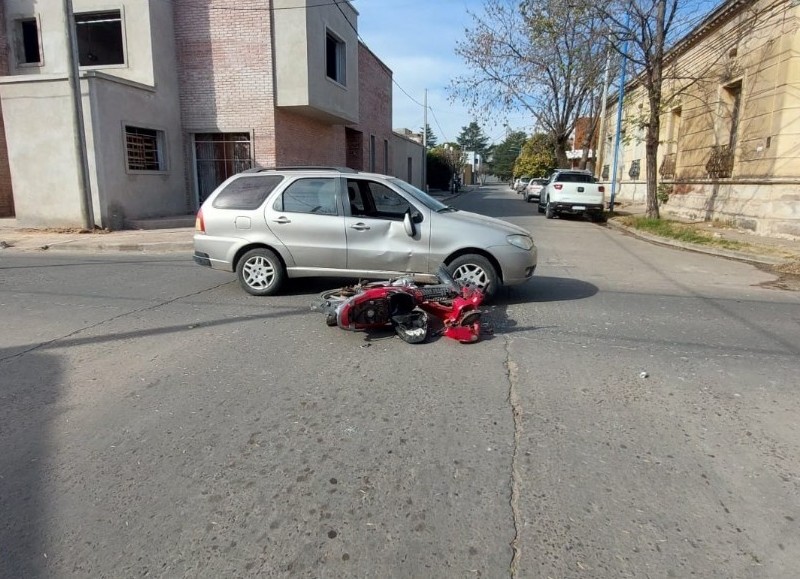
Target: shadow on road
{"points": [[546, 289], [28, 403]]}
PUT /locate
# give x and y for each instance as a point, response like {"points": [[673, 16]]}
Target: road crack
{"points": [[516, 413]]}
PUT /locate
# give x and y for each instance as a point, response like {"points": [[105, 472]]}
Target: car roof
{"points": [[311, 169]]}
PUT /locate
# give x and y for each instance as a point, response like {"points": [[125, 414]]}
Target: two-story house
{"points": [[176, 97]]}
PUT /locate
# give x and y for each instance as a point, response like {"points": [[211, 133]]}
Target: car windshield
{"points": [[421, 196]]}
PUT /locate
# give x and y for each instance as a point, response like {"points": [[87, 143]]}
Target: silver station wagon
{"points": [[270, 224]]}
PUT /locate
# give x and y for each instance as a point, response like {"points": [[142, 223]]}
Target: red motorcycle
{"points": [[405, 306]]}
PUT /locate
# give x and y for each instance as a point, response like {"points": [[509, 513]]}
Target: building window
{"points": [[145, 149], [386, 156], [99, 37], [217, 157], [28, 38], [410, 169], [335, 59], [635, 170], [732, 103], [372, 153]]}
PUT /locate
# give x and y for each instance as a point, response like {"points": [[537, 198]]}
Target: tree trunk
{"points": [[651, 165], [562, 141], [654, 124]]}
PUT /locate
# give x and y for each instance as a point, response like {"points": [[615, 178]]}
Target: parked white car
{"points": [[533, 189], [521, 183]]}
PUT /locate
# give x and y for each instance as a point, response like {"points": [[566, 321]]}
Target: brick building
{"points": [[177, 96]]}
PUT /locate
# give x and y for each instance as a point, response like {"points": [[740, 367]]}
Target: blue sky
{"points": [[417, 40]]}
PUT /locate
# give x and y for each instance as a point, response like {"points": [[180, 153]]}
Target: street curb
{"points": [[153, 247], [737, 255]]}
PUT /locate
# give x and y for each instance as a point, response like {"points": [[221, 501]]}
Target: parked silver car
{"points": [[270, 224]]}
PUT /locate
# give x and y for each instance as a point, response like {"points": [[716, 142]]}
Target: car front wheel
{"points": [[260, 272], [476, 271]]}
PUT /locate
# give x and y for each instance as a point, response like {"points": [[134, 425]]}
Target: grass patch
{"points": [[680, 232]]}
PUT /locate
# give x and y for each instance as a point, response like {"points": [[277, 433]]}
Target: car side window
{"points": [[246, 193], [375, 200], [316, 195]]}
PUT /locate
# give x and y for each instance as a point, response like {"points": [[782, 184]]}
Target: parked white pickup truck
{"points": [[572, 191]]}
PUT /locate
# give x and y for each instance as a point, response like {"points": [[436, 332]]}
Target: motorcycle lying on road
{"points": [[405, 306]]}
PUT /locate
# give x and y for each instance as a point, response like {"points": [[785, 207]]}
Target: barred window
{"points": [[144, 148]]}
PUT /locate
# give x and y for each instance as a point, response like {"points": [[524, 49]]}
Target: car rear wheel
{"points": [[475, 270], [260, 272]]}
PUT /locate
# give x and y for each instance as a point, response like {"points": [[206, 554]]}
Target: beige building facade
{"points": [[730, 122]]}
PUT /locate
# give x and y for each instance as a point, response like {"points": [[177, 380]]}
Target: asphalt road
{"points": [[634, 415]]}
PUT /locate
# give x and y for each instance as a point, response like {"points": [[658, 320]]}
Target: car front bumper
{"points": [[516, 265]]}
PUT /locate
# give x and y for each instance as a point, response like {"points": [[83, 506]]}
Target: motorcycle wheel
{"points": [[336, 297]]}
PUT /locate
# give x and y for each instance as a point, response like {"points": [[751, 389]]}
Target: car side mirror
{"points": [[410, 219]]}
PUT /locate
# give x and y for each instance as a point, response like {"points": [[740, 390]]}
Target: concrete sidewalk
{"points": [[138, 240], [753, 248]]}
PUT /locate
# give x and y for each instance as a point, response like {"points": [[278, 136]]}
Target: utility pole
{"points": [[619, 113], [601, 139], [425, 143], [84, 185]]}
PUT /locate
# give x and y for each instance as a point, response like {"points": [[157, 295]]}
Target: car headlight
{"points": [[521, 241]]}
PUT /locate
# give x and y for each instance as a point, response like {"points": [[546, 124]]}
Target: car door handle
{"points": [[282, 219], [359, 226]]}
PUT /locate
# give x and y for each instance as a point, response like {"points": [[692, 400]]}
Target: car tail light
{"points": [[601, 189], [199, 224], [558, 186]]}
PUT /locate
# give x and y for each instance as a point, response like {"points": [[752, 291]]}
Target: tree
{"points": [[642, 32], [504, 155], [452, 156], [537, 158], [471, 138], [541, 56], [431, 139]]}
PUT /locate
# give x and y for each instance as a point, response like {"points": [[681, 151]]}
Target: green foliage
{"points": [[537, 157], [431, 139], [439, 172], [680, 232], [504, 155], [663, 193], [472, 138]]}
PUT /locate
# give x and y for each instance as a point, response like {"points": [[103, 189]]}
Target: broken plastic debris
{"points": [[643, 375]]}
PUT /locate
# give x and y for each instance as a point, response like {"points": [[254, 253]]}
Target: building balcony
{"points": [[316, 60]]}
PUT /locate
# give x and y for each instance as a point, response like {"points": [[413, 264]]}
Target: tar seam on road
{"points": [[102, 322], [516, 414]]}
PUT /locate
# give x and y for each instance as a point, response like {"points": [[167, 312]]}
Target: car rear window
{"points": [[574, 178], [247, 192]]}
